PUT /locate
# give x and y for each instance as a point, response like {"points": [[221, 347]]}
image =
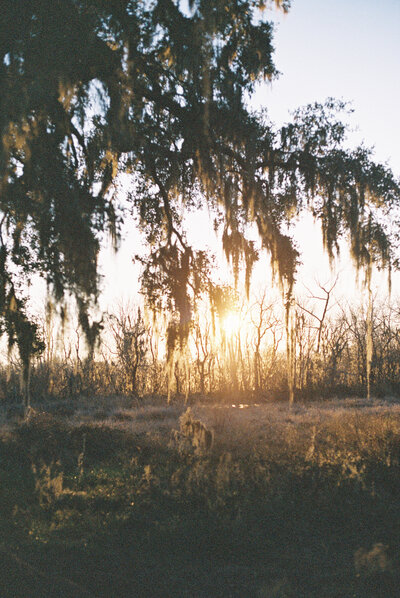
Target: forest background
{"points": [[326, 345], [131, 123]]}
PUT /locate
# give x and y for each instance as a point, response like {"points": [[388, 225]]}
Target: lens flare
{"points": [[231, 323]]}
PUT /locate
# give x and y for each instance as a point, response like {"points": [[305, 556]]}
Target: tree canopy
{"points": [[159, 89]]}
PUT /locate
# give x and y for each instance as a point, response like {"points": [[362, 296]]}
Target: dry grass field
{"points": [[121, 499]]}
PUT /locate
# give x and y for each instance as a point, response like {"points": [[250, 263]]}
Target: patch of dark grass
{"points": [[42, 438], [137, 516], [101, 443], [122, 416], [158, 413]]}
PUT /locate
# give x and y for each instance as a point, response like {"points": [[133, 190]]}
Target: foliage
{"points": [[238, 365], [193, 433], [130, 336], [91, 89], [279, 506]]}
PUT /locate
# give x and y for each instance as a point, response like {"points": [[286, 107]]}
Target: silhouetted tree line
{"points": [[159, 92], [249, 363]]}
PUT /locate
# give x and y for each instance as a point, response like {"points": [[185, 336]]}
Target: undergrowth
{"points": [[311, 509]]}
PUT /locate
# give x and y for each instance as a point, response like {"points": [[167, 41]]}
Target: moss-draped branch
{"points": [[91, 88]]}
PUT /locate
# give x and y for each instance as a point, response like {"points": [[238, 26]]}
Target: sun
{"points": [[231, 323]]}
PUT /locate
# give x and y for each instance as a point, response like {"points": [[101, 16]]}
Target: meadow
{"points": [[116, 498]]}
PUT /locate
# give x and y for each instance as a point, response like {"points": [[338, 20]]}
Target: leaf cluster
{"points": [[93, 88]]}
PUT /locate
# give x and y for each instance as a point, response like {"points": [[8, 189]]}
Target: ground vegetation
{"points": [[117, 500]]}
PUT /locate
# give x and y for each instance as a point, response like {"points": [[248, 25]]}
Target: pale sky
{"points": [[348, 49]]}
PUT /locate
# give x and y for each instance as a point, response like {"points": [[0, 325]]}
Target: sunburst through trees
{"points": [[90, 89]]}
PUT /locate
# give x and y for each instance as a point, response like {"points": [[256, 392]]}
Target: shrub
{"points": [[193, 432]]}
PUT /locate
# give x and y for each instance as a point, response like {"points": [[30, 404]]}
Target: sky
{"points": [[345, 49]]}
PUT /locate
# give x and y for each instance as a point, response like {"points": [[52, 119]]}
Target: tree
{"points": [[130, 335], [204, 353], [263, 320], [92, 88]]}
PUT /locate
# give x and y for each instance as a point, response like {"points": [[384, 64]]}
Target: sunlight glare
{"points": [[231, 323]]}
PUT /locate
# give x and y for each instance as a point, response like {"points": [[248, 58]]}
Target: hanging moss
{"points": [[90, 89]]}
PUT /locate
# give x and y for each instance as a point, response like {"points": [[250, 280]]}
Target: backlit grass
{"points": [[284, 503]]}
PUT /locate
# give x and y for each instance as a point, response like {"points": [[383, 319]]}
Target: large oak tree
{"points": [[158, 88]]}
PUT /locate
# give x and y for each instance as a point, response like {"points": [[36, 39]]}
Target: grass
{"points": [[286, 503]]}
